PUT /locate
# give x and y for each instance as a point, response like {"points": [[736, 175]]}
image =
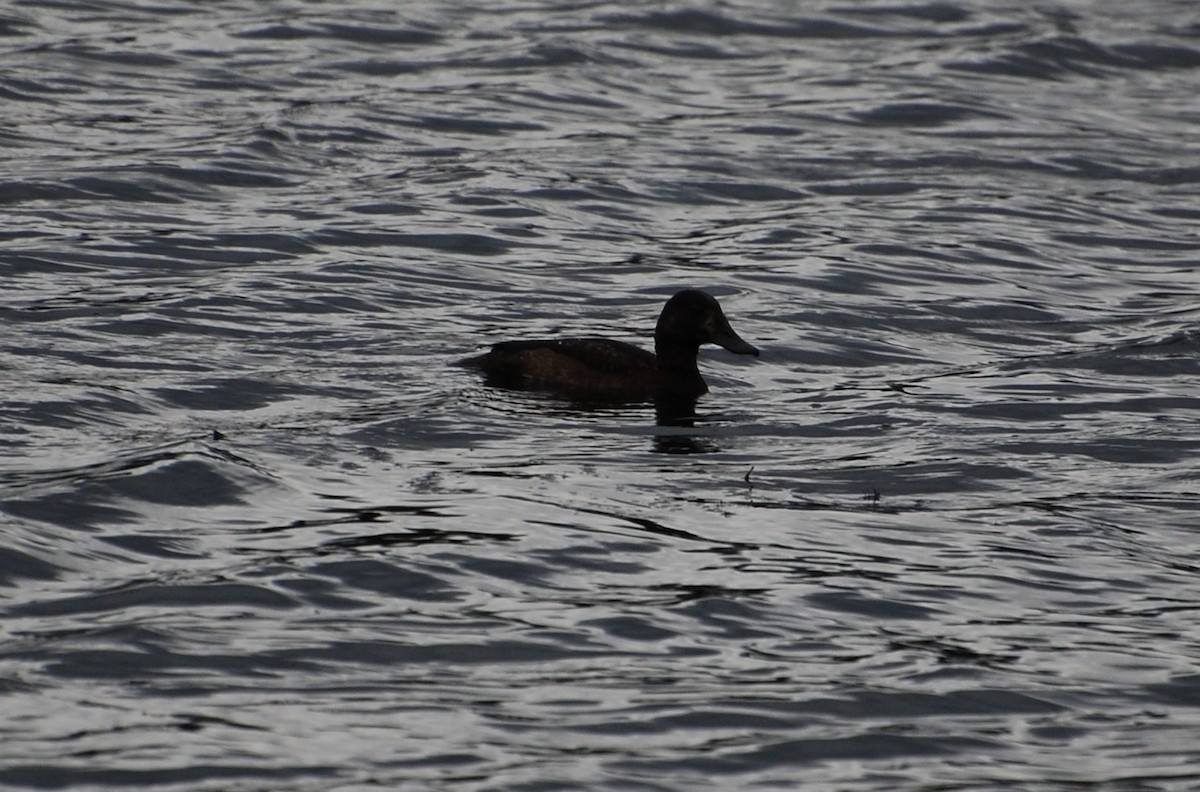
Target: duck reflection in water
{"points": [[601, 370]]}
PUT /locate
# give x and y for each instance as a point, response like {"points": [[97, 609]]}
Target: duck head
{"points": [[692, 318]]}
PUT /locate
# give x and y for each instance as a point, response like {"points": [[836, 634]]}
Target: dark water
{"points": [[260, 534]]}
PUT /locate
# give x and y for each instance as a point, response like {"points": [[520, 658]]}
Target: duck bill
{"points": [[725, 337]]}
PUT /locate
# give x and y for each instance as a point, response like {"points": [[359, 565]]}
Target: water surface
{"points": [[259, 532]]}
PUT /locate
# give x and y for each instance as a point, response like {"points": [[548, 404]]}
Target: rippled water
{"points": [[260, 533]]}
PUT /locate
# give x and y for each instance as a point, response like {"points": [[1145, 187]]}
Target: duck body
{"points": [[603, 368]]}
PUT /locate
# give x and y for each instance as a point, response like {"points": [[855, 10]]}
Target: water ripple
{"points": [[940, 535]]}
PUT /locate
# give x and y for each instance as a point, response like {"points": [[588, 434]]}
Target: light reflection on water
{"points": [[260, 532]]}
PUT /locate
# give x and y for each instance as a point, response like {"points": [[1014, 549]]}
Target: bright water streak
{"points": [[942, 535]]}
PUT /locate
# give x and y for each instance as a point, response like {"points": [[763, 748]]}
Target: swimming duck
{"points": [[604, 368]]}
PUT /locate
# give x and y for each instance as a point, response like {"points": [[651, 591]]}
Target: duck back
{"points": [[597, 366]]}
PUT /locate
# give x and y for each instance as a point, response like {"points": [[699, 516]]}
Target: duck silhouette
{"points": [[605, 369]]}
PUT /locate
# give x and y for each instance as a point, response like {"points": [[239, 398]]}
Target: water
{"points": [[259, 533]]}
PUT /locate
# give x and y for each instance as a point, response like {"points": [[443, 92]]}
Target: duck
{"points": [[604, 368]]}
